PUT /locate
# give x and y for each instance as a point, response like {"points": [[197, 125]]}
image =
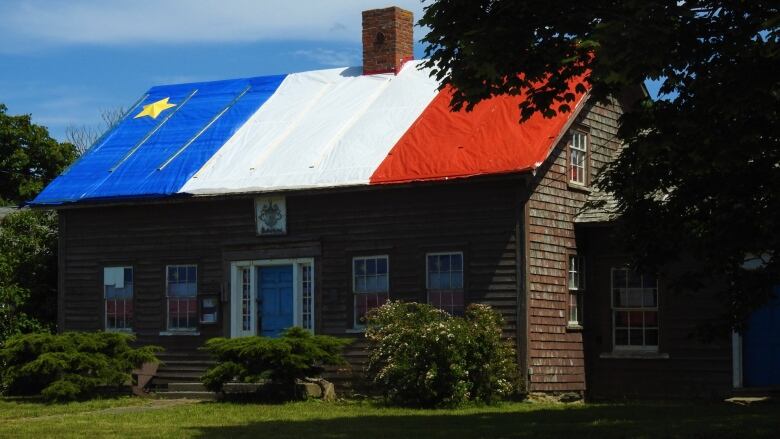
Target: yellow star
{"points": [[155, 108]]}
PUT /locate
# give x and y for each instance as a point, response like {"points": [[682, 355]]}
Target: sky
{"points": [[66, 62]]}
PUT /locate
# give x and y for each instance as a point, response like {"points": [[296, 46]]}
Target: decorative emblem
{"points": [[271, 215]]}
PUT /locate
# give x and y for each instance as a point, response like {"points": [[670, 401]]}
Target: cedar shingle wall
{"points": [[555, 354], [478, 218]]}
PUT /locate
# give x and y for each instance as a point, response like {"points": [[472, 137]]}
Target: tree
{"points": [[700, 173], [84, 136], [28, 272], [29, 158]]}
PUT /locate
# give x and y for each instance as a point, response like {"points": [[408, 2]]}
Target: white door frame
{"points": [[236, 284]]}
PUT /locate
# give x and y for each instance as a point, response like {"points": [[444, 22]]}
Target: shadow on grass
{"points": [[598, 421]]}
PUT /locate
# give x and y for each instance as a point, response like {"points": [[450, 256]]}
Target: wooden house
{"points": [[242, 207]]}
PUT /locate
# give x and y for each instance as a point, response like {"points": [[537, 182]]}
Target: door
{"points": [[275, 299], [761, 345]]}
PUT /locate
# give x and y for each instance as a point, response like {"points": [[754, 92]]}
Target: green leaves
{"points": [[712, 146], [28, 272], [29, 158], [422, 356], [297, 354], [69, 366]]}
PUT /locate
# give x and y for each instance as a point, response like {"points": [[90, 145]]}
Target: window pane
{"points": [[444, 264], [651, 337], [621, 318], [457, 280], [371, 283], [634, 280], [381, 266], [381, 282], [651, 319], [370, 266], [128, 275], [360, 283], [434, 280], [621, 337], [635, 337], [649, 300], [635, 319], [456, 262], [192, 273], [360, 267]]}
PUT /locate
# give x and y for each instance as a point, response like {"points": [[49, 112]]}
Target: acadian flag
{"points": [[318, 129]]}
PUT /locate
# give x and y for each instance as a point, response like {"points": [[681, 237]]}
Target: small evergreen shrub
{"points": [[297, 354], [422, 356], [68, 366]]}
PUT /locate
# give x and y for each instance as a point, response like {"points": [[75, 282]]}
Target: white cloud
{"points": [[34, 24]]}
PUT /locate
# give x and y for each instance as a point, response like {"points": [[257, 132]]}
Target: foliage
{"points": [[358, 420], [84, 136], [29, 158], [701, 170], [295, 355], [71, 365], [422, 356], [28, 272]]}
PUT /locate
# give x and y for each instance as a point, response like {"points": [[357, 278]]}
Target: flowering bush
{"points": [[422, 356]]}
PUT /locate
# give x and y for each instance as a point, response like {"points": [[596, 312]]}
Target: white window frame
{"points": [[355, 293], [576, 292], [168, 299], [462, 289], [581, 150], [235, 293], [106, 299], [643, 347]]}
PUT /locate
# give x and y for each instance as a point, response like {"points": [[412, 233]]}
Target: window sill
{"points": [[185, 333], [633, 355], [573, 327], [579, 187]]}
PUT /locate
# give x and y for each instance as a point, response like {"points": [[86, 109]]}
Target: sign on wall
{"points": [[271, 215]]}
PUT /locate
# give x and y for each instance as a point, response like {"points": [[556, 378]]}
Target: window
{"points": [[444, 281], [118, 294], [370, 285], [182, 291], [576, 289], [634, 309], [307, 297], [578, 151]]}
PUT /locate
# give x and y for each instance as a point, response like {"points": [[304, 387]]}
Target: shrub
{"points": [[297, 354], [71, 365], [422, 356]]}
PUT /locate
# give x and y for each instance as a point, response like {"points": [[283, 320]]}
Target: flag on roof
{"points": [[317, 129]]}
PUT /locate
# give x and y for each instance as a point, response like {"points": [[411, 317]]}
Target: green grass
{"points": [[366, 420]]}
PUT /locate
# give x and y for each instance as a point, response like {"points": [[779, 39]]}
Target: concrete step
{"points": [[203, 396], [186, 387]]}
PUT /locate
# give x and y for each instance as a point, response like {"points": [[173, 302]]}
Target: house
{"points": [[243, 207]]}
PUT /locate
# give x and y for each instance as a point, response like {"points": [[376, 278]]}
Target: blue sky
{"points": [[64, 62]]}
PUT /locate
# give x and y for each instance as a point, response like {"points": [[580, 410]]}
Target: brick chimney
{"points": [[387, 40]]}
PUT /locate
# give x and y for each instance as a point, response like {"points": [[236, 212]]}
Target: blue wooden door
{"points": [[275, 294], [762, 346]]}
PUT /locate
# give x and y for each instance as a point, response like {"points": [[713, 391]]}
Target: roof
{"points": [[600, 207], [317, 129]]}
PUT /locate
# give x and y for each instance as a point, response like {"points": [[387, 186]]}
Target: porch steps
{"points": [[192, 390], [180, 367]]}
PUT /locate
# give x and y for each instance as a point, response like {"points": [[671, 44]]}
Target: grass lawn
{"points": [[140, 418]]}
